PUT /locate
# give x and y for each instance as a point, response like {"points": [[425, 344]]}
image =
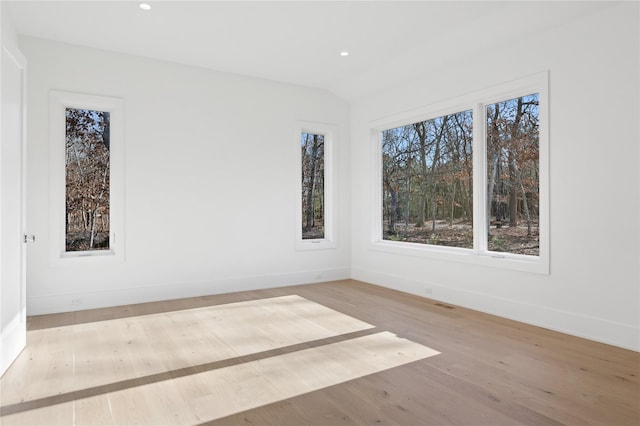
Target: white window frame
{"points": [[59, 101], [477, 102], [330, 134]]}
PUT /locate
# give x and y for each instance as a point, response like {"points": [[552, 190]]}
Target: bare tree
{"points": [[312, 184], [87, 179]]}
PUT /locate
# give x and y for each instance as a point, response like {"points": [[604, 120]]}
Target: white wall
{"points": [[210, 179], [9, 34], [593, 287]]}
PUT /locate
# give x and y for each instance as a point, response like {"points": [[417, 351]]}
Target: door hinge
{"points": [[29, 238]]}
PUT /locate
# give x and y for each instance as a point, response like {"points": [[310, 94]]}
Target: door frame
{"points": [[13, 335]]}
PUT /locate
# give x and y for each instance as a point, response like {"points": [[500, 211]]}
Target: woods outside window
{"points": [[87, 183], [427, 181], [312, 160], [513, 175], [470, 181]]}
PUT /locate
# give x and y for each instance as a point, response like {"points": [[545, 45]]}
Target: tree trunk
{"points": [[393, 194], [395, 210], [93, 227], [453, 202], [106, 130], [494, 146], [513, 175], [434, 172], [311, 184], [422, 138], [513, 191], [525, 203]]}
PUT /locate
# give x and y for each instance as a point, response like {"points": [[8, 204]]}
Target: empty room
{"points": [[320, 213]]}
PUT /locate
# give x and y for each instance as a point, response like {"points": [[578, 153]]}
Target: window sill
{"points": [[523, 263], [316, 244], [98, 257]]}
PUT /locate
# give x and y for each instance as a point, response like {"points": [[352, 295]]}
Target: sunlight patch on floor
{"points": [[187, 366], [219, 393]]}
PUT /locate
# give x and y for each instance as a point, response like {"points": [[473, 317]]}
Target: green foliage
{"points": [[395, 237], [498, 243]]}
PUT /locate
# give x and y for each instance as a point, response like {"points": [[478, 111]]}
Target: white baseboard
{"points": [[601, 330], [48, 304], [12, 341], [592, 328]]}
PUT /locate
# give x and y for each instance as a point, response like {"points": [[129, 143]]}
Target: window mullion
{"points": [[480, 213]]}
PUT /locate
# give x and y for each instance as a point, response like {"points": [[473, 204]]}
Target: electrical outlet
{"points": [[76, 301], [428, 291]]}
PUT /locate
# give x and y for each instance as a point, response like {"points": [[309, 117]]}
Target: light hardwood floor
{"points": [[339, 353]]}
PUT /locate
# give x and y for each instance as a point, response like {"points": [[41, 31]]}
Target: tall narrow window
{"points": [[316, 193], [312, 149], [87, 180], [513, 188], [427, 181]]}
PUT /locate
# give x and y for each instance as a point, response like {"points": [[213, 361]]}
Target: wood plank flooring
{"points": [[338, 353]]}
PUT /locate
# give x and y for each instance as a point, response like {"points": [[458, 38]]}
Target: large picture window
{"points": [[427, 181], [86, 176], [469, 181]]}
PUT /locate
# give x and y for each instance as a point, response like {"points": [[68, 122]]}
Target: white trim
{"points": [[330, 133], [537, 83], [13, 335], [154, 291], [572, 323], [58, 102], [480, 196]]}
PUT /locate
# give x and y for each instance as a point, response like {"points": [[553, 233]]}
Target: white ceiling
{"points": [[297, 42]]}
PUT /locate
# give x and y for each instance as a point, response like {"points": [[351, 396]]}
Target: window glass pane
{"points": [[87, 180], [313, 203], [427, 185], [513, 175]]}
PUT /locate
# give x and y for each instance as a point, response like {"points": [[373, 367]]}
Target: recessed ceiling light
{"points": [[344, 53], [144, 6]]}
